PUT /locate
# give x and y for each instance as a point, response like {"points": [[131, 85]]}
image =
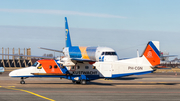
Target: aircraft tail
{"points": [[152, 53], [68, 39]]}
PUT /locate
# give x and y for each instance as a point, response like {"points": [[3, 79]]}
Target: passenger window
{"points": [[50, 67], [72, 67], [78, 67], [86, 67], [61, 65], [55, 66]]}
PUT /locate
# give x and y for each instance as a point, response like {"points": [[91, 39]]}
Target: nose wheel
{"points": [[22, 80]]}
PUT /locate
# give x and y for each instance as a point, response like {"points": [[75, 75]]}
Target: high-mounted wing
{"points": [[82, 60], [168, 56], [45, 57], [51, 49]]}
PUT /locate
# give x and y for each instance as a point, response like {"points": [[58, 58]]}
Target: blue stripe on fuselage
{"points": [[74, 52], [128, 74], [70, 77]]}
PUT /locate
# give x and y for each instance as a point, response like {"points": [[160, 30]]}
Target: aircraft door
{"points": [[105, 70]]}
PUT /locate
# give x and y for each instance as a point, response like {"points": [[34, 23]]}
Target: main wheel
{"points": [[83, 82], [22, 82]]}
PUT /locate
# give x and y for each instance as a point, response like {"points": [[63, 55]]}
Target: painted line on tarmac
{"points": [[6, 86], [29, 93]]}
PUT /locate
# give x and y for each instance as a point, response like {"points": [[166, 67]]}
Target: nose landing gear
{"points": [[22, 80]]}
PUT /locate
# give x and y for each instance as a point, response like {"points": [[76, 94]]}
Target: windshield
{"points": [[35, 64], [110, 53]]}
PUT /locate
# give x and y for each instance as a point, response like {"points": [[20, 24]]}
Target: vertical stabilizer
{"points": [[68, 39], [152, 53]]}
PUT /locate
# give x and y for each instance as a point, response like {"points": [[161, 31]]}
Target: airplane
{"points": [[83, 64], [1, 70]]}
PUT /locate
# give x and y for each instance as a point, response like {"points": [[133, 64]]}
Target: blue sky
{"points": [[135, 22]]}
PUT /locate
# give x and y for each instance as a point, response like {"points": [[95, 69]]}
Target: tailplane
{"points": [[152, 53], [68, 39]]}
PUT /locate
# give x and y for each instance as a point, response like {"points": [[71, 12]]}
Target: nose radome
{"points": [[13, 73]]}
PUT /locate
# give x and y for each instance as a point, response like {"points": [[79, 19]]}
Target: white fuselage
{"points": [[109, 69]]}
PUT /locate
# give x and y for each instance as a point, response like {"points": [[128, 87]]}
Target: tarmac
{"points": [[149, 87]]}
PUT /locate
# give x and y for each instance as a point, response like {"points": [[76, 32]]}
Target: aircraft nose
{"points": [[13, 73]]}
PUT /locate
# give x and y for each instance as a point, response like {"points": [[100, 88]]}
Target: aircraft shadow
{"points": [[48, 83], [126, 78], [89, 83], [112, 84], [108, 84]]}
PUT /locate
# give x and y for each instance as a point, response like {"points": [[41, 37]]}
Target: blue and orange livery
{"points": [[152, 54]]}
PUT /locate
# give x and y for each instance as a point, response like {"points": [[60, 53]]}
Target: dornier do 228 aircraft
{"points": [[82, 64]]}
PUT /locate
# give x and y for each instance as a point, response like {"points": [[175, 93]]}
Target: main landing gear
{"points": [[80, 80], [83, 82], [22, 80]]}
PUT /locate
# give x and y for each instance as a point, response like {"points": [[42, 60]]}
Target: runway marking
{"points": [[7, 86], [30, 93]]}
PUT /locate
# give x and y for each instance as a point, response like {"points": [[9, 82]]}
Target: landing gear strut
{"points": [[83, 82], [22, 80]]}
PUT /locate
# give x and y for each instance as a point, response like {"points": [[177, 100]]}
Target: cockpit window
{"points": [[102, 53], [110, 53], [35, 64]]}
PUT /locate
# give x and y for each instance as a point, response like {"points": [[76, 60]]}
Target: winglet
{"points": [[152, 53], [68, 39]]}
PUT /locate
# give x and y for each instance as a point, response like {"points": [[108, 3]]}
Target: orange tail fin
{"points": [[152, 53]]}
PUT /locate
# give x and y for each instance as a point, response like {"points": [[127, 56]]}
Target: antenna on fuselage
{"points": [[137, 53]]}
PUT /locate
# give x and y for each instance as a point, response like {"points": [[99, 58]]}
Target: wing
{"points": [[168, 56], [51, 49], [82, 60], [45, 57]]}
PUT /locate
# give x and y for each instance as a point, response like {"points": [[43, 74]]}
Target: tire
{"points": [[83, 82], [22, 82]]}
